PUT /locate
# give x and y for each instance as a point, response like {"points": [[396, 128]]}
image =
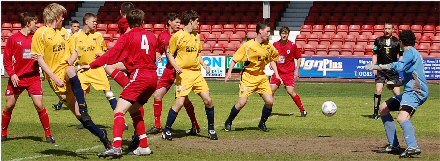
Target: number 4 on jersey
{"points": [[144, 44]]}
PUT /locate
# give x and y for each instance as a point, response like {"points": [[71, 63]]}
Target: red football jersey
{"points": [[136, 49], [19, 47], [123, 25], [288, 54], [163, 41]]}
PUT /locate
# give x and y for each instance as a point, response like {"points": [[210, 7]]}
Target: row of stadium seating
{"points": [[374, 13], [359, 50], [211, 12], [10, 9]]}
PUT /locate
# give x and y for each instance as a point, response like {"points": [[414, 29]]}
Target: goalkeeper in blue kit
{"points": [[415, 93]]}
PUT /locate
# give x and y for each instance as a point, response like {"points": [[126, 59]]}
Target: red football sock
{"points": [[45, 121], [192, 114], [142, 109], [118, 129], [158, 113], [6, 119], [120, 77], [298, 102], [138, 123]]}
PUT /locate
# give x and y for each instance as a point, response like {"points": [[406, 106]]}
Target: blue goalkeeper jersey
{"points": [[413, 73]]}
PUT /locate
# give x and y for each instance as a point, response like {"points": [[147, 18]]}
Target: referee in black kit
{"points": [[386, 50]]}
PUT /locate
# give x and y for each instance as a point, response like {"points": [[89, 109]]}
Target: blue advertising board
{"points": [[349, 67]]}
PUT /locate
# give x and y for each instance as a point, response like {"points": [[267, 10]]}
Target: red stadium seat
{"points": [[347, 50], [313, 39], [362, 39], [216, 29], [338, 39], [434, 51], [148, 27], [230, 49], [321, 50], [218, 49], [417, 29], [354, 30], [309, 50], [206, 49], [235, 38], [425, 40], [330, 29], [358, 50], [367, 30], [435, 40], [369, 50], [378, 29], [108, 37], [350, 40], [317, 29], [116, 37], [112, 27], [325, 39], [101, 27], [437, 31], [158, 28], [404, 27], [205, 29], [333, 50], [300, 39], [16, 26], [428, 30], [241, 30], [228, 29], [211, 39], [6, 26], [342, 30], [423, 50], [251, 27], [223, 39], [306, 28]]}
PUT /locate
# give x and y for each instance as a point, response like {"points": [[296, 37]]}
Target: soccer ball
{"points": [[329, 108]]}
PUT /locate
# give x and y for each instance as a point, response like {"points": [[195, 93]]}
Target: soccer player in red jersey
{"points": [[136, 47], [123, 23], [24, 74], [288, 68], [167, 80]]}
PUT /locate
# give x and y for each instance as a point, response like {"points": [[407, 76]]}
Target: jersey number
{"points": [[144, 44]]}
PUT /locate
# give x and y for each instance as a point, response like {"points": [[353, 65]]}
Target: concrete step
{"points": [[288, 19], [295, 15], [297, 10]]}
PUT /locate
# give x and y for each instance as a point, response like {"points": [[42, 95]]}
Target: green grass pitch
{"points": [[349, 135]]}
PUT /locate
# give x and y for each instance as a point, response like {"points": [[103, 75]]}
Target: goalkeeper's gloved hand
{"points": [[378, 67]]}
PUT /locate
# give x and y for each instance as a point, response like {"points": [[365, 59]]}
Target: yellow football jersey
{"points": [[53, 45], [87, 46], [256, 56], [187, 45]]}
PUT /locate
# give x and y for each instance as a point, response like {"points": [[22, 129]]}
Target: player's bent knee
{"points": [[71, 71], [109, 95]]}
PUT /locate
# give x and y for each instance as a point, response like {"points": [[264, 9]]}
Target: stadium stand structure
{"points": [[324, 28]]}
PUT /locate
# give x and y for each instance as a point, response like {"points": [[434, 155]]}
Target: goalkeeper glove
{"points": [[378, 67]]}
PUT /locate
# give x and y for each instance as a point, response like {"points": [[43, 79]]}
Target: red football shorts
{"points": [[288, 79], [167, 79], [33, 85], [141, 86]]}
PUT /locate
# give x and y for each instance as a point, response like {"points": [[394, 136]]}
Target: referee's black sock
{"points": [[377, 98]]}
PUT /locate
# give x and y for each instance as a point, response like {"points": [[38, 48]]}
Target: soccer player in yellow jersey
{"points": [[255, 54], [90, 44], [55, 56], [185, 45]]}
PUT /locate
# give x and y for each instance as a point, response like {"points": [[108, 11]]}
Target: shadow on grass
{"points": [[58, 152], [368, 116], [282, 114], [381, 150], [78, 126], [248, 128], [34, 138]]}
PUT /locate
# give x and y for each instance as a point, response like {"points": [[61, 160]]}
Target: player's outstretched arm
{"points": [[48, 71], [378, 67], [72, 58]]}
